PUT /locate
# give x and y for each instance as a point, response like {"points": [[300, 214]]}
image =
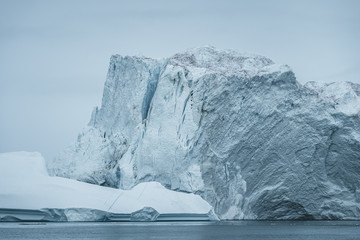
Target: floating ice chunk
{"points": [[147, 214]]}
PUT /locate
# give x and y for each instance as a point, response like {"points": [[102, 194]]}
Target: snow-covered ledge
{"points": [[27, 192]]}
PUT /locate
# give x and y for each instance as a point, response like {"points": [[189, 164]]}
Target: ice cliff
{"points": [[237, 129]]}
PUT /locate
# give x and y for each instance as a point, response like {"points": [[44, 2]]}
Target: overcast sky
{"points": [[54, 54]]}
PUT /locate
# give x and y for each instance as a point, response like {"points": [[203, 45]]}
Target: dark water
{"points": [[184, 230]]}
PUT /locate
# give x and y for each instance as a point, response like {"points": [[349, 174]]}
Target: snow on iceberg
{"points": [[27, 192]]}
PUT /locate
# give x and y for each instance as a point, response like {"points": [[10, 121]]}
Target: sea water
{"points": [[183, 230]]}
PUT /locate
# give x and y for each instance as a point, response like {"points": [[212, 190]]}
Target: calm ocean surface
{"points": [[314, 230]]}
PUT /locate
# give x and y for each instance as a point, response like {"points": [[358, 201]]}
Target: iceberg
{"points": [[236, 129], [28, 193]]}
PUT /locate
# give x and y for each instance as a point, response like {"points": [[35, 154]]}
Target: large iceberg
{"points": [[28, 193], [236, 129]]}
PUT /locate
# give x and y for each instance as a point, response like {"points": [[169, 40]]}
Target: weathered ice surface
{"points": [[237, 129], [147, 214]]}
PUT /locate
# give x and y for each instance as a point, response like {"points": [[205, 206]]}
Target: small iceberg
{"points": [[28, 193]]}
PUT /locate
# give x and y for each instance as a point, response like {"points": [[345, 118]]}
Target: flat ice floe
{"points": [[27, 192]]}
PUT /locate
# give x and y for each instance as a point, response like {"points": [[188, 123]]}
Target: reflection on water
{"points": [[184, 230]]}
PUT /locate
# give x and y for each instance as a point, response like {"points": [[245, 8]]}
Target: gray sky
{"points": [[54, 54]]}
